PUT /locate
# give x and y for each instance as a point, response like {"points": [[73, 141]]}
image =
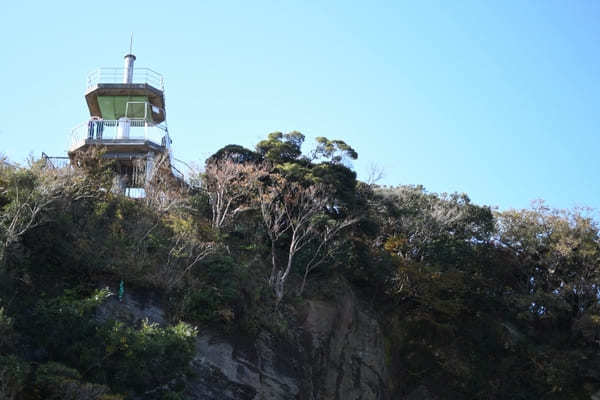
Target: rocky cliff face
{"points": [[338, 354], [346, 351]]}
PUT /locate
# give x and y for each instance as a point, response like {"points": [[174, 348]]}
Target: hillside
{"points": [[277, 275]]}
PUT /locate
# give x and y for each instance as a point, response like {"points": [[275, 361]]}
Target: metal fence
{"points": [[56, 162], [124, 129], [115, 75]]}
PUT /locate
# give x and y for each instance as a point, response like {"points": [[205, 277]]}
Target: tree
{"points": [[376, 173], [235, 153], [27, 195], [228, 185], [325, 233], [424, 227], [13, 375], [324, 167], [340, 180], [297, 213], [559, 248], [186, 252], [163, 191], [281, 148], [20, 215], [334, 151]]}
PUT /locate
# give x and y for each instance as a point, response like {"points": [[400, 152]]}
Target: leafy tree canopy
{"points": [[235, 153], [333, 151], [280, 148]]}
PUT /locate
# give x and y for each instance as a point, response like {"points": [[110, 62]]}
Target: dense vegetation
{"points": [[475, 303]]}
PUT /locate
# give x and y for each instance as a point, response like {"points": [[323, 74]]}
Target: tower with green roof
{"points": [[128, 119]]}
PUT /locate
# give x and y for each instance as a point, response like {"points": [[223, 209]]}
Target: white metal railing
{"points": [[115, 75], [55, 162], [122, 129]]}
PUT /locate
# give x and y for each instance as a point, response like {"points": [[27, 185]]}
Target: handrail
{"points": [[55, 162], [123, 129], [115, 75], [177, 173]]}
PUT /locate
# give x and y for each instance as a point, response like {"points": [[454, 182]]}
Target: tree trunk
{"points": [[274, 264], [303, 281], [278, 287]]}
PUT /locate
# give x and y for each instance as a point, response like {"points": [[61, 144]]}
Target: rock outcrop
{"points": [[229, 369], [338, 354], [346, 347]]}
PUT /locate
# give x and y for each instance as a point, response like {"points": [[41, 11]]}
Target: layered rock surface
{"points": [[338, 354]]}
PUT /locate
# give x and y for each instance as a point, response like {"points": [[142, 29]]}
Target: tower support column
{"points": [[149, 167]]}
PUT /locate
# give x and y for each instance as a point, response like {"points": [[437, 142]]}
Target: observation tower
{"points": [[128, 119]]}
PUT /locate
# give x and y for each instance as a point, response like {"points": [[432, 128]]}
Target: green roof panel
{"points": [[114, 107]]}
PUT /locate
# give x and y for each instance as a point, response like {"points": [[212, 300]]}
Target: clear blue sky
{"points": [[497, 99]]}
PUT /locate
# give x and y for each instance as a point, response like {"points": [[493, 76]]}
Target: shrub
{"points": [[6, 331], [59, 323], [216, 292], [55, 381], [13, 375], [141, 358]]}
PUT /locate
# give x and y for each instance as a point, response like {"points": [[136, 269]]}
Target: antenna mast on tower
{"points": [[129, 59]]}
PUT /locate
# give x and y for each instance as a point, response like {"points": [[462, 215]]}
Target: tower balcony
{"points": [[122, 136], [105, 85]]}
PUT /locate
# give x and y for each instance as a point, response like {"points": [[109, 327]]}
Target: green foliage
{"points": [[7, 334], [430, 227], [200, 204], [285, 154], [113, 354], [98, 170], [83, 235], [477, 314], [55, 381], [59, 323], [341, 180], [473, 304], [215, 297], [13, 376], [281, 148], [130, 359], [334, 151], [233, 152]]}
